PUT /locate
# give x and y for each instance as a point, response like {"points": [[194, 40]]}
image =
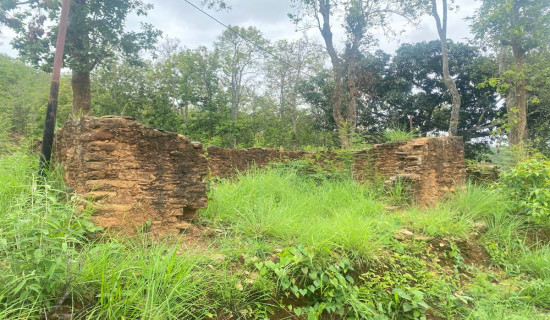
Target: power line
{"points": [[242, 36]]}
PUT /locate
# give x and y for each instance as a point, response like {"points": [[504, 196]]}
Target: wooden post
{"points": [[411, 122], [51, 112]]}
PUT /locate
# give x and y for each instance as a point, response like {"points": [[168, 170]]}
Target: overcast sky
{"points": [[179, 20]]}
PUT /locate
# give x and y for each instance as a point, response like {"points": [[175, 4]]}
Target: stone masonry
{"points": [[226, 163], [434, 166], [139, 177]]}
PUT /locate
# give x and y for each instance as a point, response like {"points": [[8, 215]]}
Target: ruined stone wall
{"points": [[434, 166], [139, 177], [225, 163]]}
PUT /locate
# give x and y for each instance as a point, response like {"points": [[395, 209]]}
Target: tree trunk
{"points": [[337, 72], [447, 79], [351, 116], [451, 86], [82, 94], [517, 112], [235, 101], [337, 108], [294, 106], [186, 116], [234, 116]]}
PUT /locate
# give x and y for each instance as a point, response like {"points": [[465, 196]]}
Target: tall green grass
{"points": [[486, 309], [46, 259], [40, 231], [281, 205], [140, 279], [536, 262], [458, 214]]}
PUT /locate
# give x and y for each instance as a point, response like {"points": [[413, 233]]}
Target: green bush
{"points": [[322, 286], [528, 184], [401, 286]]}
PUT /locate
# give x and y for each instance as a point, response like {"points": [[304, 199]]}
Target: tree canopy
{"points": [[97, 32]]}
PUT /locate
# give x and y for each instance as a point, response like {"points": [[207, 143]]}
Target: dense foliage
{"points": [[528, 183]]}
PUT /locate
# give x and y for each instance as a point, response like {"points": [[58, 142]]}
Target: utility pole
{"points": [[51, 111]]}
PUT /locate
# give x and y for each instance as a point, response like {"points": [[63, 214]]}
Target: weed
{"points": [[398, 135], [528, 183], [536, 262], [323, 286], [138, 279], [495, 299], [399, 192], [403, 285]]}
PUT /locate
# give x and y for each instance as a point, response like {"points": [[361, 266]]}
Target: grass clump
{"points": [[495, 297], [139, 279], [281, 205], [39, 236], [536, 262], [398, 135]]}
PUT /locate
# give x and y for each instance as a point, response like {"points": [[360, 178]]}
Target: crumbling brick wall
{"points": [[139, 177], [225, 163], [434, 166]]}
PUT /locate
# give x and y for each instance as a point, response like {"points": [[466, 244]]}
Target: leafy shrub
{"points": [[528, 184], [322, 288], [399, 291]]}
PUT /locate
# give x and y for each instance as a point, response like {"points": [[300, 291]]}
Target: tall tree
{"points": [[97, 32], [393, 88], [241, 60], [190, 79], [292, 63], [524, 27], [441, 23], [361, 19]]}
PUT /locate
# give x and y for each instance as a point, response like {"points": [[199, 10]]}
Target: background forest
{"points": [[246, 91]]}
